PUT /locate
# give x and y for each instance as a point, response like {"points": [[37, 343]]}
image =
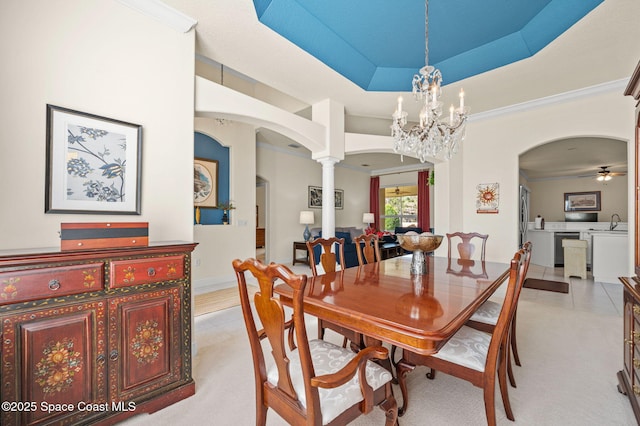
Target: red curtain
{"points": [[374, 200], [424, 221]]}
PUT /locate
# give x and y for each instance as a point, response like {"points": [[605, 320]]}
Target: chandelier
{"points": [[433, 134]]}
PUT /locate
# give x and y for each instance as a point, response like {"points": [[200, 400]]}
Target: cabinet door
{"points": [[52, 360], [145, 341]]}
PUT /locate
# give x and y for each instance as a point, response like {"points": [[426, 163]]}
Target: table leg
{"points": [[402, 369]]}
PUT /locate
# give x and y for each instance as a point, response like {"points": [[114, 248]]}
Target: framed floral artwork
{"points": [[93, 164], [205, 183]]}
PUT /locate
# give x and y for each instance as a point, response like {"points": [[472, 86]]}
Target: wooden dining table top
{"points": [[384, 301]]}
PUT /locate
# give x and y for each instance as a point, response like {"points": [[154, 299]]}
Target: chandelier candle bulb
{"points": [[461, 100], [451, 115], [399, 104]]}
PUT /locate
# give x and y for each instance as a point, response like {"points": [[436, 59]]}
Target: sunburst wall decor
{"points": [[488, 198]]}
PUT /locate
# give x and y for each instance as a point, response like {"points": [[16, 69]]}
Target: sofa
{"points": [[389, 245]]}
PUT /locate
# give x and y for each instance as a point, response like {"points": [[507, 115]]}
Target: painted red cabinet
{"points": [[94, 353], [629, 376]]}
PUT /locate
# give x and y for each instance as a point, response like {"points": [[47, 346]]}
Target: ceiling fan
{"points": [[398, 192], [604, 174]]}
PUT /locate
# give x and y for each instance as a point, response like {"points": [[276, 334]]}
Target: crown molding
{"points": [[612, 86], [163, 13]]}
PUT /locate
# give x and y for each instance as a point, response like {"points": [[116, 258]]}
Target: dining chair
{"points": [[474, 355], [326, 255], [466, 247], [307, 382], [367, 248], [486, 318]]}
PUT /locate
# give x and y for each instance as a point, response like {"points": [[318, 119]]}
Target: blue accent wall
{"points": [[207, 147]]}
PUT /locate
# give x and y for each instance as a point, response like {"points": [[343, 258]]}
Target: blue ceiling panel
{"points": [[379, 44]]}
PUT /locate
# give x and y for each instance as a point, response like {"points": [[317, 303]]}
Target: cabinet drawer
{"points": [[125, 273], [21, 286]]}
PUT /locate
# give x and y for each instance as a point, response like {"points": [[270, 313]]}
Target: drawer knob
{"points": [[113, 355], [54, 285], [151, 272], [101, 359]]}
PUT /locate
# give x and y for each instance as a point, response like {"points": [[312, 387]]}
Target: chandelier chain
{"points": [[432, 135]]}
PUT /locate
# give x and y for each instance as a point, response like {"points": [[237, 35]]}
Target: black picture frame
{"points": [[315, 198], [93, 164], [587, 201]]}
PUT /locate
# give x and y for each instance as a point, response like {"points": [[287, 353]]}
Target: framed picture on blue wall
{"points": [[205, 183], [93, 163]]}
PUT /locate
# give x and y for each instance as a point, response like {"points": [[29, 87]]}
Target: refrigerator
{"points": [[524, 213]]}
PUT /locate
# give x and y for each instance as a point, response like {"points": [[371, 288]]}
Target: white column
{"points": [[328, 197]]}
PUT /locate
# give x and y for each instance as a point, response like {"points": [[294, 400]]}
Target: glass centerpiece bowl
{"points": [[419, 244]]}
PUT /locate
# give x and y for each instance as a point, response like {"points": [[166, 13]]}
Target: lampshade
{"points": [[368, 218], [306, 217]]}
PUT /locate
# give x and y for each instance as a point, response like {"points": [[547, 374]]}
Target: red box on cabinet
{"points": [[83, 236]]}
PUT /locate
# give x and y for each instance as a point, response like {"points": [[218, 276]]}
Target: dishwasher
{"points": [[558, 258]]}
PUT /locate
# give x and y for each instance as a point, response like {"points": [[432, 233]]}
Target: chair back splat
{"points": [[310, 382], [466, 247], [367, 248], [323, 258]]}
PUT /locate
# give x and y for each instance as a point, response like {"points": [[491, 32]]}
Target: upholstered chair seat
{"points": [[328, 358], [468, 347], [487, 313]]}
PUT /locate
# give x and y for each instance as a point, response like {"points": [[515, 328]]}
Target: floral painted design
{"points": [[129, 275], [171, 269], [9, 289], [96, 164], [56, 370], [146, 344], [89, 278]]}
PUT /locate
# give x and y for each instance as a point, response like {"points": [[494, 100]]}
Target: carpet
{"points": [[537, 284]]}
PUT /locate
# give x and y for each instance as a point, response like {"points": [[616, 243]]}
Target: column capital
{"points": [[327, 161]]}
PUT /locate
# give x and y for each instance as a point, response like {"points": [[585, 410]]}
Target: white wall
{"points": [[490, 154], [289, 178], [103, 58]]}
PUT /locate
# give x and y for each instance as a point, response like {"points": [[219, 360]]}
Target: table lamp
{"points": [[306, 218], [368, 218]]}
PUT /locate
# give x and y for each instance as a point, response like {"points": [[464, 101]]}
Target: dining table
{"points": [[385, 302]]}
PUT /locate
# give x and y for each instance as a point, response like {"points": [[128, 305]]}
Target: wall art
{"points": [[93, 164], [488, 198]]}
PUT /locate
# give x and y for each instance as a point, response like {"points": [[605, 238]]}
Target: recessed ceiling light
{"points": [[294, 145]]}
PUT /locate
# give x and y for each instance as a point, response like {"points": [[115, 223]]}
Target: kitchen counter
{"points": [[543, 252]]}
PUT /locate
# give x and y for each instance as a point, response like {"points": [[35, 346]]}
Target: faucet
{"points": [[612, 225]]}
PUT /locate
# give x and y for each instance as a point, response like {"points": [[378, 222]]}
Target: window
{"points": [[400, 207]]}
